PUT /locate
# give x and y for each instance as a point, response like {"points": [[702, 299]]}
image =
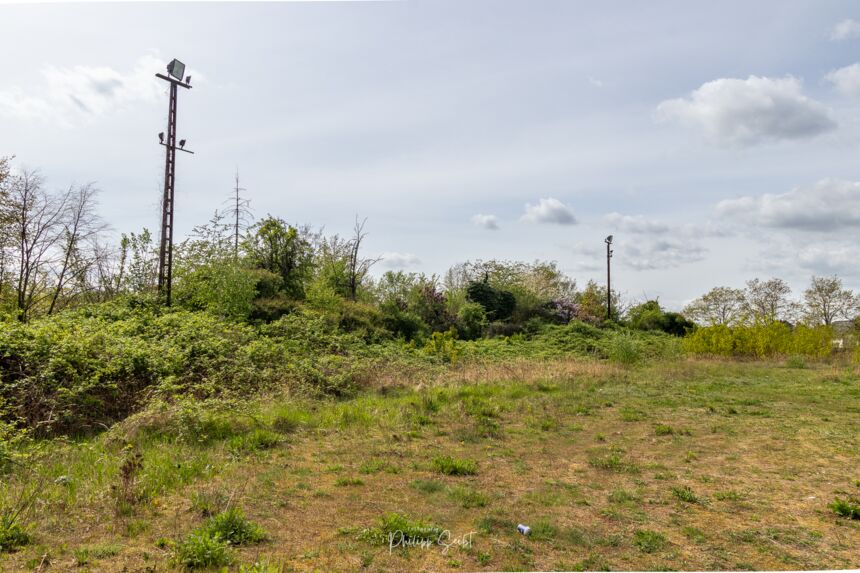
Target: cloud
{"points": [[662, 253], [489, 222], [846, 80], [845, 30], [735, 112], [80, 93], [636, 224], [399, 260], [829, 259], [549, 211], [828, 205], [589, 257]]}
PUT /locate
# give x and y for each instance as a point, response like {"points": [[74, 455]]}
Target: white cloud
{"points": [[399, 260], [490, 222], [846, 29], [737, 112], [79, 93], [846, 80], [660, 254], [636, 224], [830, 204], [829, 259], [549, 211]]}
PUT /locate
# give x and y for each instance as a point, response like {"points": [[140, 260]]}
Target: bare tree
{"points": [[719, 306], [826, 300], [240, 214], [5, 225], [769, 300], [36, 224], [81, 228], [357, 267]]}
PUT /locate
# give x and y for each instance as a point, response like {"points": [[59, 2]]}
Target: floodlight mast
{"points": [[608, 242], [175, 70]]}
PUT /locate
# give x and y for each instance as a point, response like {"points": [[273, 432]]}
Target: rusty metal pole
{"points": [[165, 253], [608, 277]]}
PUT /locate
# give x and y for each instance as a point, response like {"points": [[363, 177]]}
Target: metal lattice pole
{"points": [[165, 253]]}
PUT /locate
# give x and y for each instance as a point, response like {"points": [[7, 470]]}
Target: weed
{"points": [[624, 348], [729, 495], [201, 550], [543, 530], [693, 534], [613, 462], [12, 535], [623, 496], [208, 503], [664, 430], [849, 508], [233, 527], [648, 541], [399, 530], [467, 497], [376, 466], [84, 555], [454, 466], [427, 485], [493, 524], [126, 494], [254, 441], [348, 481], [686, 494]]}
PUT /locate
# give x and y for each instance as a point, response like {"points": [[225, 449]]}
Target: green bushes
{"points": [[761, 340]]}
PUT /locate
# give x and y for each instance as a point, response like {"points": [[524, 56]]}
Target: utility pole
{"points": [[175, 71], [608, 242]]}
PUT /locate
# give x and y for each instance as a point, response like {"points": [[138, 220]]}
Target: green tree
{"points": [[284, 250]]}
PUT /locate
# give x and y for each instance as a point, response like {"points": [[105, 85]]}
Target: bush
{"points": [[471, 321], [761, 340], [624, 349], [443, 345]]}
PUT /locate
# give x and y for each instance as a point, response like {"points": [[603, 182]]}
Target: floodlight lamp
{"points": [[176, 69], [609, 240], [181, 143], [161, 137]]}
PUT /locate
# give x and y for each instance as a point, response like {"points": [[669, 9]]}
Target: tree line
{"points": [[54, 256]]}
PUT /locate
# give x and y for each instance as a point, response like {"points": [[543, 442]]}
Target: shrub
{"points": [[443, 345], [761, 340], [624, 349], [454, 467], [471, 321], [201, 550]]}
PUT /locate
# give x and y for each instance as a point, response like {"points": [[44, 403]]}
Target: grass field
{"points": [[688, 464]]}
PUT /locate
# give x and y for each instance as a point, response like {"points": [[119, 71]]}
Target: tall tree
{"points": [[274, 245], [769, 300], [719, 306], [81, 227], [36, 228], [357, 267], [827, 300]]}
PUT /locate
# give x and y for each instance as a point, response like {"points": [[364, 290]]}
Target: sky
{"points": [[717, 142]]}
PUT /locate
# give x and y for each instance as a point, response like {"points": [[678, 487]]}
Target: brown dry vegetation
{"points": [[716, 465]]}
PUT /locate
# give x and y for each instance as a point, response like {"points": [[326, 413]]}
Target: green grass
{"points": [[849, 508], [348, 482], [202, 550], [467, 497], [454, 466], [233, 527], [687, 495], [649, 541], [427, 485]]}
